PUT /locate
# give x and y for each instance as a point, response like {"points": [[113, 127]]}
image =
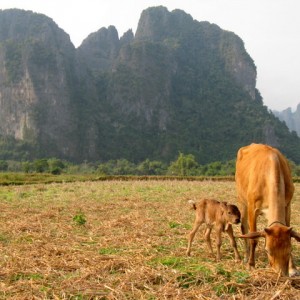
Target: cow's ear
{"points": [[252, 235], [268, 231], [295, 235]]}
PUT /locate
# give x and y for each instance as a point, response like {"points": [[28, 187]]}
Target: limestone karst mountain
{"points": [[177, 84]]}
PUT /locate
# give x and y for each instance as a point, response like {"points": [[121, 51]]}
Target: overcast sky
{"points": [[270, 30]]}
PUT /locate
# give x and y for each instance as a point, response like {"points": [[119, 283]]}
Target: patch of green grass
{"points": [[241, 276], [178, 263], [174, 262], [222, 289], [161, 248], [189, 279], [174, 224], [7, 196], [204, 271], [44, 289], [109, 251], [187, 226], [196, 275], [185, 265], [221, 271], [79, 218], [25, 239], [24, 195], [4, 239], [22, 276]]}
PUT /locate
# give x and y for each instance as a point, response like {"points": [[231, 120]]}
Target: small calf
{"points": [[222, 215]]}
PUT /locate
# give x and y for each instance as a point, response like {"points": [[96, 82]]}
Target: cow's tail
{"points": [[193, 204]]}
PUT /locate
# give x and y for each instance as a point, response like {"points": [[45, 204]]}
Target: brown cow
{"points": [[264, 186], [222, 215]]}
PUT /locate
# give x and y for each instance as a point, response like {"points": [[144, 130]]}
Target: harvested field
{"points": [[124, 240]]}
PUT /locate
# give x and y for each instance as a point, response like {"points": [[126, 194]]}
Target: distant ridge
{"points": [[292, 119]]}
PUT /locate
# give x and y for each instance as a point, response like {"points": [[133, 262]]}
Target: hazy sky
{"points": [[270, 30]]}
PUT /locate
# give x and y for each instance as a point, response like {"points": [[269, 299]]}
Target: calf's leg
{"points": [[229, 231], [197, 224], [207, 238], [219, 242]]}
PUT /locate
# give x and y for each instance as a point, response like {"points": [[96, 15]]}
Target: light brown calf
{"points": [[218, 214]]}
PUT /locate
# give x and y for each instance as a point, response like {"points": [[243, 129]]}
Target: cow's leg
{"points": [[292, 267], [244, 229], [288, 215], [252, 228], [233, 243], [207, 238], [196, 226]]}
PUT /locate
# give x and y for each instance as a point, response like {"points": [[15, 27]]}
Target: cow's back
{"points": [[260, 171]]}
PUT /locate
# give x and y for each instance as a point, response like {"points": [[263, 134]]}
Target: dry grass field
{"points": [[124, 240]]}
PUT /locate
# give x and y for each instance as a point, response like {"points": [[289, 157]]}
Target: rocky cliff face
{"points": [[238, 63], [37, 62], [159, 25], [176, 85]]}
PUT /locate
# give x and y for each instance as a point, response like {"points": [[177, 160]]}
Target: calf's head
{"points": [[277, 245], [231, 213]]}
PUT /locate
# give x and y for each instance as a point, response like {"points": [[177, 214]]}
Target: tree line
{"points": [[183, 165]]}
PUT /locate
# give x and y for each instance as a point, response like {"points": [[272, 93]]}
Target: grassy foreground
{"points": [[124, 240]]}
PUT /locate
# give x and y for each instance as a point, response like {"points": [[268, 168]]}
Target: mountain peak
{"points": [[157, 23]]}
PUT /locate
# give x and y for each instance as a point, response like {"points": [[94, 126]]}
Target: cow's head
{"points": [[277, 245], [231, 213]]}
